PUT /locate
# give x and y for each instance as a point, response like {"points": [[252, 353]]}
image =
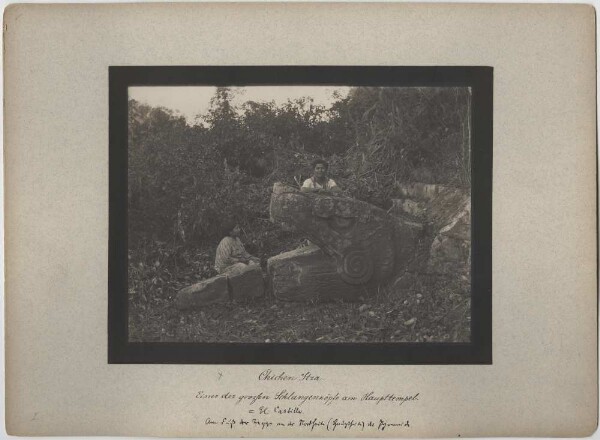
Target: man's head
{"points": [[231, 228], [320, 168]]}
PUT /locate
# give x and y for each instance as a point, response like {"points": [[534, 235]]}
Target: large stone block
{"points": [[460, 225], [368, 244], [450, 251], [412, 208], [418, 191], [358, 246], [447, 206], [308, 274], [238, 282], [210, 291], [245, 281]]}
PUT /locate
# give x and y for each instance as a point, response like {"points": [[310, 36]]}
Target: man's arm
{"points": [[244, 256], [306, 186], [333, 186]]}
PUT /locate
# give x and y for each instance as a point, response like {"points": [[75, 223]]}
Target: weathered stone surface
{"points": [[404, 281], [412, 208], [449, 255], [418, 191], [459, 226], [213, 290], [362, 245], [238, 282], [445, 246], [444, 208], [308, 274], [451, 248], [245, 281]]}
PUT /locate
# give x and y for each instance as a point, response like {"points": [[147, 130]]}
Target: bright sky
{"points": [[191, 100]]}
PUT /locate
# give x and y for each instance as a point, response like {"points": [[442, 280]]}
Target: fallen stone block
{"points": [[308, 274], [447, 206], [459, 226], [245, 282], [210, 291], [450, 256], [367, 244], [418, 191], [412, 208], [450, 251]]}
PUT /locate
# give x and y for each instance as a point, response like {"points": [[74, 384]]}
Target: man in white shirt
{"points": [[319, 181]]}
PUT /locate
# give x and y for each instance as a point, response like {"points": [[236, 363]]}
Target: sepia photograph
{"points": [[322, 213], [299, 214]]}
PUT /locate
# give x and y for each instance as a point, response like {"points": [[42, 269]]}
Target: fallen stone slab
{"points": [[408, 207], [460, 225], [450, 203], [210, 291], [450, 256], [450, 251], [418, 191], [245, 281], [308, 274], [239, 282]]}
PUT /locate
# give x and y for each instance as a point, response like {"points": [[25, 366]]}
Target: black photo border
{"points": [[478, 351]]}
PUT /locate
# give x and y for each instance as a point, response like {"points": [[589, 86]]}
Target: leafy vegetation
{"points": [[184, 180]]}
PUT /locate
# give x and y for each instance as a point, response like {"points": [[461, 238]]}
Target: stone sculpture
{"points": [[355, 247], [359, 246]]}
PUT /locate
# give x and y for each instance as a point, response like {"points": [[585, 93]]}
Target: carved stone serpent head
{"points": [[359, 236]]}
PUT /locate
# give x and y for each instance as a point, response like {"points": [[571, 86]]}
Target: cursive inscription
{"points": [[305, 408], [311, 424], [389, 397], [282, 375]]}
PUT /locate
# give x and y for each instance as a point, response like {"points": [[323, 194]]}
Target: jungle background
{"points": [[185, 178]]}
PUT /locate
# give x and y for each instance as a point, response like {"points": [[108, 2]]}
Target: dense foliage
{"points": [[184, 180]]}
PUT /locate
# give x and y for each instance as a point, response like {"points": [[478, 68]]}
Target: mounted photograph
{"points": [[286, 214]]}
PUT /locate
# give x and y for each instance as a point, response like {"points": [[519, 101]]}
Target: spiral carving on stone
{"points": [[356, 267]]}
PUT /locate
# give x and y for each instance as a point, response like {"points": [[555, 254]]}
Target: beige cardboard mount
{"points": [[543, 379]]}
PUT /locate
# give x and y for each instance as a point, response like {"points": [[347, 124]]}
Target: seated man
{"points": [[231, 252], [319, 182]]}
